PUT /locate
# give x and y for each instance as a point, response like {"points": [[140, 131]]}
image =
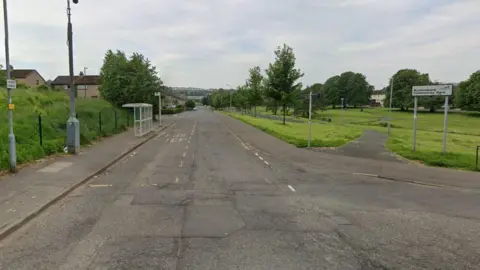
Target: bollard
{"points": [[100, 122], [40, 130], [476, 160], [116, 121]]}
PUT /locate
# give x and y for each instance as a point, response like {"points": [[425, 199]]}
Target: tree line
{"points": [[278, 88]]}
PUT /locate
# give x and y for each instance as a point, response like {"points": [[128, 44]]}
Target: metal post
{"points": [[415, 124], [40, 129], [390, 107], [116, 120], [11, 136], [445, 126], [476, 159], [310, 119], [73, 125], [100, 123], [160, 108], [341, 113]]}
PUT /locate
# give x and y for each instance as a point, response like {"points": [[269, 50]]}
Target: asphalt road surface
{"points": [[198, 197]]}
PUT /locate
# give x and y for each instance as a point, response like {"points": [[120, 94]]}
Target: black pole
{"points": [[40, 131], [116, 122], [100, 122]]}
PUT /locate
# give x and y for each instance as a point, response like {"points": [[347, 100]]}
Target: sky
{"points": [[212, 43]]}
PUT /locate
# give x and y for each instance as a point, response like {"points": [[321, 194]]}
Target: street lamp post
{"points": [[230, 92], [73, 125], [11, 136], [390, 108]]}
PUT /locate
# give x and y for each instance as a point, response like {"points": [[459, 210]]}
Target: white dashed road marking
{"points": [[101, 185], [291, 188], [266, 162], [261, 158]]}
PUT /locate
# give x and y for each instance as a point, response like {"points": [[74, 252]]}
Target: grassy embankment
{"points": [[462, 138], [54, 110]]}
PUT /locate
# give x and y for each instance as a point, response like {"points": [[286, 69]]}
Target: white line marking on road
{"points": [[366, 174], [184, 154], [261, 158], [266, 162], [154, 185], [174, 124], [101, 185], [181, 163], [256, 154], [186, 146], [268, 181], [291, 188], [176, 179], [159, 135]]}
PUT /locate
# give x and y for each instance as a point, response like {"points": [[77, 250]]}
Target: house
{"points": [[378, 97], [28, 77], [87, 85]]}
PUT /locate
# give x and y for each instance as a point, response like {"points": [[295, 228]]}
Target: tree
{"points": [[206, 100], [129, 80], [352, 87], [190, 104], [282, 77], [240, 98], [332, 90], [254, 87], [467, 94], [403, 81]]}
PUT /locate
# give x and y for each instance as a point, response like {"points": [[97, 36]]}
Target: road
{"points": [[199, 197]]}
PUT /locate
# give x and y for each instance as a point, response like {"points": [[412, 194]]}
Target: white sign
{"points": [[157, 94], [12, 84], [432, 90]]}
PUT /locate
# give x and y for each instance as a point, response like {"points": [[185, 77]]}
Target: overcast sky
{"points": [[210, 43]]}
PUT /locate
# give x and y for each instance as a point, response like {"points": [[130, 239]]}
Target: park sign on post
{"points": [[445, 90], [432, 90]]}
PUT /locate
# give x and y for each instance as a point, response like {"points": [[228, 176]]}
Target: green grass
{"points": [[296, 133], [53, 108], [462, 138]]}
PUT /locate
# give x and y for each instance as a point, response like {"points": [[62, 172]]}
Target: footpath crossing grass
{"points": [[462, 138], [297, 133]]}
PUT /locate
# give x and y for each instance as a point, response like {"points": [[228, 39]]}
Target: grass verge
{"points": [[297, 133], [53, 108]]}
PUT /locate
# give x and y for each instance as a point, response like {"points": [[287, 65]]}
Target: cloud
{"points": [[212, 43]]}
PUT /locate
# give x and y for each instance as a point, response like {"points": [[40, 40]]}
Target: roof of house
{"points": [[21, 73], [79, 80]]}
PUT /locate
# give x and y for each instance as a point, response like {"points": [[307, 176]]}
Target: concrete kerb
{"points": [[25, 219]]}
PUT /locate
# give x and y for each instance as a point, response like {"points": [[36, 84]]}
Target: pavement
{"points": [[24, 194], [211, 192]]}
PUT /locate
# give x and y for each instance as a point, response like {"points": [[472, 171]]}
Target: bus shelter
{"points": [[142, 117]]}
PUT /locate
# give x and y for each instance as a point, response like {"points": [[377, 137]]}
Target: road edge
{"points": [[26, 218]]}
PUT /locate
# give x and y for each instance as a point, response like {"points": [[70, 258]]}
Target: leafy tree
{"points": [[129, 80], [240, 98], [467, 94], [220, 98], [352, 87], [403, 81], [190, 104], [332, 91], [205, 100], [254, 87], [282, 77]]}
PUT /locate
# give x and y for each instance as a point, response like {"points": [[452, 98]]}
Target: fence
{"points": [[51, 130]]}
